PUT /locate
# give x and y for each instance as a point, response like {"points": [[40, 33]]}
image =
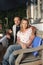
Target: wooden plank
{"points": [[30, 59], [28, 50], [18, 60], [33, 63]]}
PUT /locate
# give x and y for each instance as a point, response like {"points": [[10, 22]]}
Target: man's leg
{"points": [[9, 57], [4, 41]]}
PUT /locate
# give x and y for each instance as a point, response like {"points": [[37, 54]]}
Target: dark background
{"points": [[11, 4], [10, 9]]}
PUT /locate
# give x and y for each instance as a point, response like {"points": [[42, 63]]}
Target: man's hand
{"points": [[8, 36], [10, 31]]}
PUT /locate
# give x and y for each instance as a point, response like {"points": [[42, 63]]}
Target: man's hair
{"points": [[17, 17]]}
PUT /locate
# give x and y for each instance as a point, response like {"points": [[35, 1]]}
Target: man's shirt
{"points": [[15, 30]]}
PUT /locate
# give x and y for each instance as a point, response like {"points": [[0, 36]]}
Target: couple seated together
{"points": [[25, 37]]}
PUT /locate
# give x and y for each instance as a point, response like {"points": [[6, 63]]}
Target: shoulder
{"points": [[14, 25], [29, 29], [34, 29]]}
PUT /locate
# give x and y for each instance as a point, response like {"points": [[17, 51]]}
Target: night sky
{"points": [[11, 4]]}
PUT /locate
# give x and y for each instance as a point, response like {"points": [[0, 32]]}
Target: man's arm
{"points": [[34, 29]]}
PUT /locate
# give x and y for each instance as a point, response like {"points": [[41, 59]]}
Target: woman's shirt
{"points": [[24, 36]]}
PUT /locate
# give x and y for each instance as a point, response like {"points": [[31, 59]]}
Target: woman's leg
{"points": [[8, 54]]}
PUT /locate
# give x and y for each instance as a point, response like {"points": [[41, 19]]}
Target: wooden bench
{"points": [[30, 59]]}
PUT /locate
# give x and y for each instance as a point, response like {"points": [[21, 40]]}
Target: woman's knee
{"points": [[10, 48]]}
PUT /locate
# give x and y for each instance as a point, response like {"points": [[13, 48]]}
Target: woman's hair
{"points": [[24, 19]]}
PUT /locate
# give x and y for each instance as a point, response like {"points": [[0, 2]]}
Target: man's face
{"points": [[17, 20]]}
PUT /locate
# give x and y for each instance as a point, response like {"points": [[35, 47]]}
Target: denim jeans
{"points": [[9, 57]]}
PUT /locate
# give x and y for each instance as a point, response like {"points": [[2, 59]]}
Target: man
{"points": [[16, 28]]}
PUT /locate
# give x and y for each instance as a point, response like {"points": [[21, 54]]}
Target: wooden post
{"points": [[32, 12], [28, 10], [42, 9], [42, 57], [18, 60], [39, 12]]}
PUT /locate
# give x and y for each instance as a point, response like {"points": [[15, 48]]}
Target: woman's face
{"points": [[24, 24]]}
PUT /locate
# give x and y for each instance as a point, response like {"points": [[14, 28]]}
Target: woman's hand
{"points": [[18, 40], [23, 46]]}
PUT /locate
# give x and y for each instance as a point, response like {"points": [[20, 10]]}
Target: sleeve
{"points": [[4, 41], [30, 31]]}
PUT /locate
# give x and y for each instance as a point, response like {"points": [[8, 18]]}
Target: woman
{"points": [[24, 39], [25, 36]]}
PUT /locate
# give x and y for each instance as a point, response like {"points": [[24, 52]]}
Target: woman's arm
{"points": [[30, 40], [23, 45], [28, 43]]}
